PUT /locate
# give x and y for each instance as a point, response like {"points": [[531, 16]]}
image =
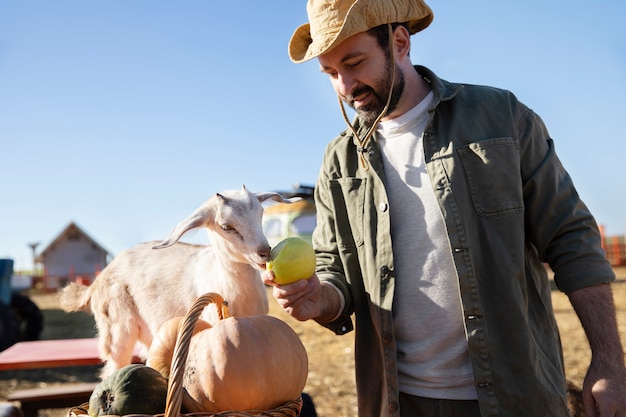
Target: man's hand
{"points": [[306, 299], [300, 299], [604, 388], [605, 396]]}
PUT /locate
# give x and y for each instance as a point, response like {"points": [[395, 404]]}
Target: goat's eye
{"points": [[228, 228]]}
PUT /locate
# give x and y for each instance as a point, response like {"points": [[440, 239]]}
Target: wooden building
{"points": [[72, 256]]}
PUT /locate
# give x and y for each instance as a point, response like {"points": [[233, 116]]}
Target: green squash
{"points": [[134, 389]]}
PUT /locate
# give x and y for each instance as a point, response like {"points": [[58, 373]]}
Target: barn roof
{"points": [[72, 227]]}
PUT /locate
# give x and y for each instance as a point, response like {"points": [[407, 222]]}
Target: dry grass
{"points": [[331, 375]]}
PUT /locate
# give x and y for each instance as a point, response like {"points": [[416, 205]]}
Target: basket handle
{"points": [[181, 350]]}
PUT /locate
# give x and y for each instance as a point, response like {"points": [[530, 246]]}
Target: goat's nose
{"points": [[264, 251]]}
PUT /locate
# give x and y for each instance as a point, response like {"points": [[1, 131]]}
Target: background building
{"points": [[72, 256]]}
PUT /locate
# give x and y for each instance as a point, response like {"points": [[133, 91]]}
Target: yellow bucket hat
{"points": [[333, 21]]}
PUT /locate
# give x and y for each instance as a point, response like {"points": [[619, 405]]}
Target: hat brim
{"points": [[300, 44], [302, 47]]}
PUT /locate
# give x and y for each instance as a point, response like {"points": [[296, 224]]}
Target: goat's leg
{"points": [[116, 345], [118, 325]]}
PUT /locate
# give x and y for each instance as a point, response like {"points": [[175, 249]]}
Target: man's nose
{"points": [[345, 85]]}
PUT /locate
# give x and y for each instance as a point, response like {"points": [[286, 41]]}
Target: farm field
{"points": [[331, 370]]}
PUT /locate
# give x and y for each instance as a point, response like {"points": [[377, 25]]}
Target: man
{"points": [[436, 211]]}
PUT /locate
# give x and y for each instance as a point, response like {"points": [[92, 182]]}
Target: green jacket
{"points": [[509, 207]]}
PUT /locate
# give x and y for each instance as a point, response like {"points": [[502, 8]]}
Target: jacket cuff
{"points": [[341, 323]]}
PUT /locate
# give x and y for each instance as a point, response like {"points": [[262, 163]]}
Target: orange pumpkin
{"points": [[161, 350], [240, 363], [245, 363]]}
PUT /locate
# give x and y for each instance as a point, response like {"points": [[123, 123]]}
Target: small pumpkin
{"points": [[250, 363], [245, 363], [161, 349], [133, 389]]}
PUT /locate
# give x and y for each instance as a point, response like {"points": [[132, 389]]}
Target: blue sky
{"points": [[123, 116]]}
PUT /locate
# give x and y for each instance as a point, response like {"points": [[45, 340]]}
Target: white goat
{"points": [[142, 287]]}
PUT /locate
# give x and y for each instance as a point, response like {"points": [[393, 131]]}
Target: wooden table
{"points": [[52, 354]]}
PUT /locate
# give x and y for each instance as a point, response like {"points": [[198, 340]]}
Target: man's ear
{"points": [[401, 42]]}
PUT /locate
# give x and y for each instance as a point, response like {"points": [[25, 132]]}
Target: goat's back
{"points": [[157, 283]]}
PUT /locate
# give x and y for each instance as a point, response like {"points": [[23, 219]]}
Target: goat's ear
{"points": [[276, 197], [199, 218]]}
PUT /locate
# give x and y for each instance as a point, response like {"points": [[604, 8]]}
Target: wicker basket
{"points": [[176, 393]]}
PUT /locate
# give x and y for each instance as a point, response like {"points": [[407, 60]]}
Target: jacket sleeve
{"points": [[329, 265], [558, 223]]}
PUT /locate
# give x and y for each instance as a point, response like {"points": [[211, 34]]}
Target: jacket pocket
{"points": [[348, 196], [492, 169]]}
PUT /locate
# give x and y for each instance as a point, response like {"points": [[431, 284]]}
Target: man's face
{"points": [[361, 74]]}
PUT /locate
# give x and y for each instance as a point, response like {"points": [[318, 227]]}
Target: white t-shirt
{"points": [[433, 359]]}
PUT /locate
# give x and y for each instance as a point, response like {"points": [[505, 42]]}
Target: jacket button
{"points": [[383, 206], [393, 407], [386, 338], [384, 271]]}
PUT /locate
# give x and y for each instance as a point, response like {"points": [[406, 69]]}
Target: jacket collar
{"points": [[443, 90]]}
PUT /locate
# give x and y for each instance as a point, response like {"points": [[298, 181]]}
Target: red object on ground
{"points": [[53, 354]]}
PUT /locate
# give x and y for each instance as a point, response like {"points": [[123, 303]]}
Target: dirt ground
{"points": [[331, 370]]}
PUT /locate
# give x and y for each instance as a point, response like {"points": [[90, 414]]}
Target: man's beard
{"points": [[379, 94]]}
